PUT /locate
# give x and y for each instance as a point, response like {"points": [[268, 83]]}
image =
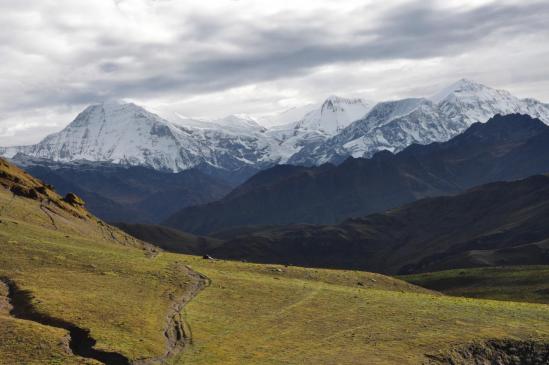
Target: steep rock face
{"points": [[397, 124]]}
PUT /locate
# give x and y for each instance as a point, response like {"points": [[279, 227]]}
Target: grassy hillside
{"points": [[266, 314], [63, 267], [76, 268], [517, 283]]}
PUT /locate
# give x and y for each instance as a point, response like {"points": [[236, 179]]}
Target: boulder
{"points": [[74, 200]]}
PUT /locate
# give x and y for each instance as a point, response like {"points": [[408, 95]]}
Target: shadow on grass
{"points": [[81, 343]]}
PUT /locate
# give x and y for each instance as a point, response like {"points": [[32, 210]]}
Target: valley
{"points": [[261, 290], [119, 193], [250, 182], [67, 273]]}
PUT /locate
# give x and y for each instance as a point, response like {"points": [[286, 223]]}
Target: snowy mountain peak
{"points": [[239, 119], [459, 87], [336, 103], [465, 83], [112, 115], [334, 114], [239, 123], [125, 133], [397, 124], [113, 103], [122, 132]]}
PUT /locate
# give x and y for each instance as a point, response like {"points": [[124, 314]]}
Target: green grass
{"points": [[253, 314], [76, 272], [24, 342], [515, 283], [83, 272]]}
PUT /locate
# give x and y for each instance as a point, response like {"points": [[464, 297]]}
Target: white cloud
{"points": [[210, 58]]}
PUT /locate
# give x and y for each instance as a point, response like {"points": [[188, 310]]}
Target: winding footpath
{"points": [[177, 331], [17, 303]]}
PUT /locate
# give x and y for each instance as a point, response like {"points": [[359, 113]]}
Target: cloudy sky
{"points": [[211, 58]]}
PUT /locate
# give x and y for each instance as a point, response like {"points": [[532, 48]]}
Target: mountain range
{"points": [[131, 165], [237, 146], [503, 223], [233, 148], [505, 148], [394, 125], [119, 193]]}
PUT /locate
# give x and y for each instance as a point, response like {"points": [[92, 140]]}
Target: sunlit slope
{"points": [[78, 269], [264, 314]]}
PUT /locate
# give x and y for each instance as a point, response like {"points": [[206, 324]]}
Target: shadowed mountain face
{"points": [[131, 194], [171, 239], [504, 223], [505, 148]]}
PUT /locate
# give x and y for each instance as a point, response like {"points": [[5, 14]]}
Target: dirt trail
{"points": [[17, 303], [177, 330]]}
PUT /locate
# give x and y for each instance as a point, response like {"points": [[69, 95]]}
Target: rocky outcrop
{"points": [[74, 200], [495, 352]]}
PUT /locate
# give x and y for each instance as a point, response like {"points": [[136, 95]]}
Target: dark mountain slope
{"points": [[504, 148], [129, 194], [505, 223], [171, 239]]}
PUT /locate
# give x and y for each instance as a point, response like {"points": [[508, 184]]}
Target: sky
{"points": [[210, 58]]}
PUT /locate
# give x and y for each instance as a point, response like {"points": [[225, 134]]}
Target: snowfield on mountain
{"points": [[126, 133]]}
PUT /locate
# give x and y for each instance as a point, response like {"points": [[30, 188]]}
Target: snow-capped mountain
{"points": [[319, 124], [240, 123], [126, 133], [116, 132], [395, 125], [287, 116], [334, 115]]}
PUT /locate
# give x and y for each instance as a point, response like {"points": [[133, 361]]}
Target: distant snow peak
{"points": [[239, 120], [462, 85], [117, 131], [397, 124], [334, 114], [113, 103]]}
